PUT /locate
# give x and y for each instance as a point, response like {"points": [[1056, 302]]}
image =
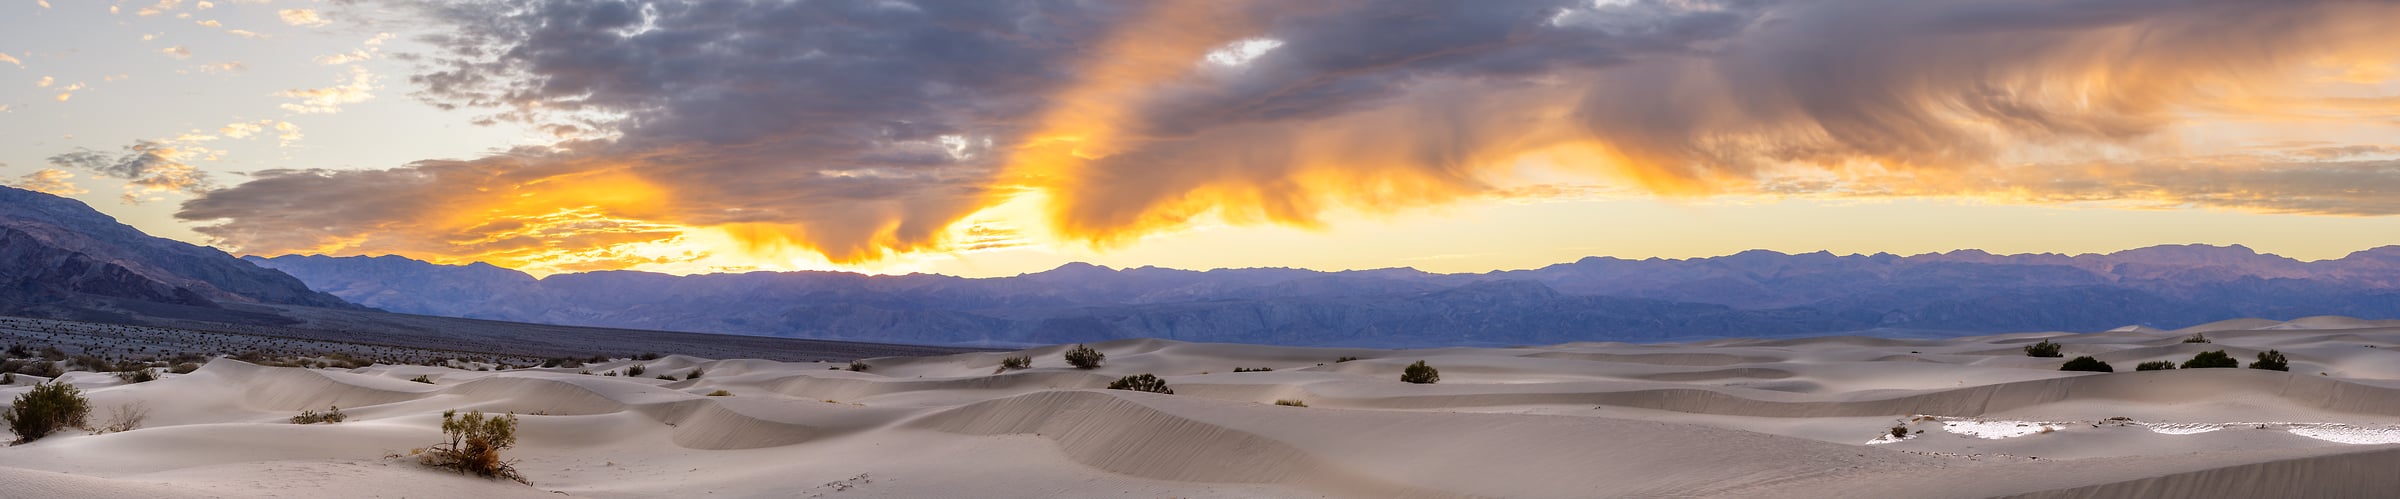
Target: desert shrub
{"points": [[185, 368], [720, 393], [2086, 363], [2212, 358], [331, 415], [696, 372], [475, 445], [47, 408], [1290, 403], [2197, 338], [143, 375], [1019, 362], [1420, 373], [2271, 360], [46, 369], [125, 417], [668, 377], [18, 351], [859, 366], [1141, 383], [2155, 365], [1344, 359], [645, 356], [1083, 357], [429, 380], [53, 354], [1252, 369], [2044, 349], [1899, 432], [93, 363], [637, 370], [8, 378]]}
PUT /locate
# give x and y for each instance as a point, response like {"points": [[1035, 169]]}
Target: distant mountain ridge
{"points": [[68, 260], [1753, 293]]}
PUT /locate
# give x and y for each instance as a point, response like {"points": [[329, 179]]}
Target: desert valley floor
{"points": [[1732, 418]]}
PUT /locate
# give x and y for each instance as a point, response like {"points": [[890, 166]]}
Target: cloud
{"points": [[210, 23], [50, 180], [178, 52], [155, 9], [68, 92], [302, 17], [4, 57], [865, 130], [44, 82], [223, 67], [358, 87], [147, 167], [244, 33]]}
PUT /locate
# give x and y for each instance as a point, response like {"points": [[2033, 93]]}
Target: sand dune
{"points": [[1733, 418]]}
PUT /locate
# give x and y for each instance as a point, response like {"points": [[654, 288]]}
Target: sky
{"points": [[996, 137]]}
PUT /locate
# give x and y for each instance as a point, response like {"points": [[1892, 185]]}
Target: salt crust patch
{"points": [[1996, 430]]}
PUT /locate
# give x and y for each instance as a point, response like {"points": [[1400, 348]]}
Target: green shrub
{"points": [[2271, 360], [428, 380], [2212, 358], [2086, 363], [1141, 383], [637, 370], [696, 372], [475, 445], [2155, 365], [1290, 403], [1083, 357], [720, 393], [143, 375], [1899, 432], [1420, 373], [1019, 362], [45, 409], [667, 377], [2044, 349], [332, 415], [2197, 338]]}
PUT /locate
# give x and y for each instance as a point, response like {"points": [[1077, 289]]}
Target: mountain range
{"points": [[1754, 293], [68, 260]]}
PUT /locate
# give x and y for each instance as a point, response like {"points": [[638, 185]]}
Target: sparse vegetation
{"points": [[2211, 359], [45, 409], [1141, 383], [637, 370], [1084, 357], [2155, 365], [1420, 373], [720, 393], [1344, 359], [668, 377], [428, 380], [2271, 360], [1290, 403], [2044, 349], [1016, 362], [1252, 369], [125, 417], [2197, 338], [1899, 432], [2086, 363], [859, 366], [475, 444], [143, 375], [331, 415], [696, 372]]}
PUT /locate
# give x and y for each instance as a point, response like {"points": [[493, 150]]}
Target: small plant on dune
{"points": [[720, 393], [2212, 358], [8, 378], [331, 415], [1290, 403], [668, 377], [428, 380], [859, 366], [2271, 360], [143, 375], [1018, 362], [1141, 383], [1899, 432], [1252, 369], [637, 370], [2086, 363], [126, 417], [1420, 373], [475, 444], [1084, 357], [2197, 338], [2155, 365], [47, 408], [696, 372], [2044, 349], [1344, 359]]}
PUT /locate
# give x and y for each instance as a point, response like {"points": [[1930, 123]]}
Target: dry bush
{"points": [[720, 393], [125, 417], [1084, 357], [1290, 403], [333, 415], [475, 444]]}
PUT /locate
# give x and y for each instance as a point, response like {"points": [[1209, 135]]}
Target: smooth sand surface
{"points": [[1730, 418]]}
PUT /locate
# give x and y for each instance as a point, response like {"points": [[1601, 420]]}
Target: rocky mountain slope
{"points": [[68, 260]]}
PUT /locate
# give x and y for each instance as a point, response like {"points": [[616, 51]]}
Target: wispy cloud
{"points": [[4, 57], [357, 87], [50, 180], [178, 52], [149, 168], [302, 17]]}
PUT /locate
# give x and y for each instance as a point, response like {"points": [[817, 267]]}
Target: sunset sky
{"points": [[997, 137]]}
